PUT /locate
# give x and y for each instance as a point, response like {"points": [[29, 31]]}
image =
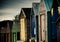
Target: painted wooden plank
{"points": [[49, 26]]}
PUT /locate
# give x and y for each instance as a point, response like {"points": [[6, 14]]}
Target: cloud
{"points": [[13, 7], [6, 17], [10, 11]]}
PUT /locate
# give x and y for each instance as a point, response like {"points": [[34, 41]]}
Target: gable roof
{"points": [[35, 7], [48, 4], [42, 6], [51, 3], [26, 12]]}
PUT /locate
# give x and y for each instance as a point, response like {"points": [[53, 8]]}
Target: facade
{"points": [[5, 31], [45, 20], [25, 24], [48, 19], [58, 31], [35, 8], [15, 30], [32, 23], [55, 17], [52, 15], [42, 21]]}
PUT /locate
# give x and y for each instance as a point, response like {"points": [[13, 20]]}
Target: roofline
{"points": [[6, 20], [36, 3], [25, 7]]}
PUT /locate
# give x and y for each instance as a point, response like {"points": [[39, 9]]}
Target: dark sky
{"points": [[10, 8], [8, 3], [12, 3]]}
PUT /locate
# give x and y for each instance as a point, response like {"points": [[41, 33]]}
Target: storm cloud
{"points": [[13, 7]]}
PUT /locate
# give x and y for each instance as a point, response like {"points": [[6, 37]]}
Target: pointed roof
{"points": [[35, 4], [35, 7], [22, 14], [48, 4], [42, 6], [26, 12]]}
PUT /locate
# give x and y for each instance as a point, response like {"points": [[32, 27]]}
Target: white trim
{"points": [[23, 13], [46, 29]]}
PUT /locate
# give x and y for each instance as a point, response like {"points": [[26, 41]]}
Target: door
{"points": [[22, 29], [3, 37], [42, 27], [7, 37], [14, 37]]}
